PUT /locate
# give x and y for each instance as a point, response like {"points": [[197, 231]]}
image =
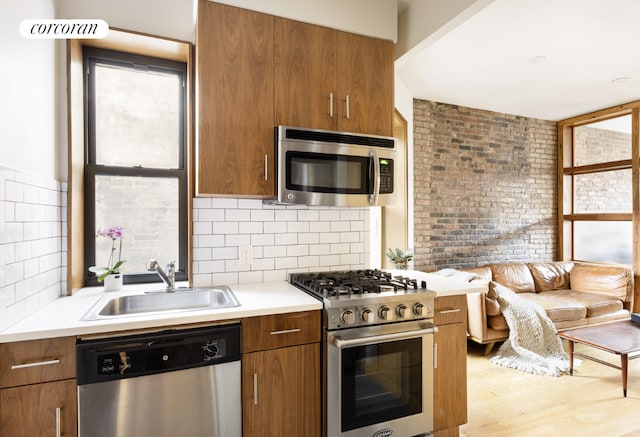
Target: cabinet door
{"points": [[365, 72], [280, 330], [450, 372], [33, 410], [235, 146], [30, 362], [281, 392], [306, 75]]}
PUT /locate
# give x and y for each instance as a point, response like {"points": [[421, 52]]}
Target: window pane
{"points": [[567, 186], [603, 192], [147, 208], [603, 141], [137, 118], [603, 241]]}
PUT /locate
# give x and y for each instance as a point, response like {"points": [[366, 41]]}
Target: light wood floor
{"points": [[507, 402]]}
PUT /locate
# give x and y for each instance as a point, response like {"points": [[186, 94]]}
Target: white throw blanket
{"points": [[533, 345]]}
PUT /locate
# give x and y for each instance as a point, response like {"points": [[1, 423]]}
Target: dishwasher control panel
{"points": [[130, 356]]}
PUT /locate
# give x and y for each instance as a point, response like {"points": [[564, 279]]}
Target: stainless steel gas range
{"points": [[378, 352]]}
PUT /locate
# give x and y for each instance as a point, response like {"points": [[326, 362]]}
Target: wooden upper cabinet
{"points": [[318, 69], [235, 115], [365, 74], [306, 75]]}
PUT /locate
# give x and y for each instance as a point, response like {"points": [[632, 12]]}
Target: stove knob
{"points": [[419, 310], [367, 315], [385, 313], [401, 311], [348, 317]]}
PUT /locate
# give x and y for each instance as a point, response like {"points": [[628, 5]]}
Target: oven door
{"points": [[380, 381]]}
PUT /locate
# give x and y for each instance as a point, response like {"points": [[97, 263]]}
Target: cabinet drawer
{"points": [[30, 362], [280, 330], [450, 309]]}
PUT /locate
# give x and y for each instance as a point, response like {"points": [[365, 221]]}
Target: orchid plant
{"points": [[116, 233]]}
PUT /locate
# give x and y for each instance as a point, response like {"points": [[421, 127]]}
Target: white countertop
{"points": [[62, 317], [443, 286]]}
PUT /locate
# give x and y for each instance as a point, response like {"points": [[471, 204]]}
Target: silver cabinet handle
{"points": [[58, 427], [457, 310], [286, 331], [36, 364], [331, 105], [347, 105], [255, 389], [266, 167]]}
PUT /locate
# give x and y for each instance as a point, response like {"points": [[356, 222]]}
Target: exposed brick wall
{"points": [[485, 187], [603, 192]]}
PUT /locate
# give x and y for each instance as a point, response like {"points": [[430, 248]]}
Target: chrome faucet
{"points": [[168, 275]]}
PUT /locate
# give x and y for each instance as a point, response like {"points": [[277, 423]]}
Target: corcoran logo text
{"points": [[63, 29]]}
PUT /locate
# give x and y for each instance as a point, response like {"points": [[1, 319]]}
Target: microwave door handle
{"points": [[375, 167]]}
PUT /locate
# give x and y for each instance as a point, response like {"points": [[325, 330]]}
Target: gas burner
{"points": [[366, 297], [356, 282]]}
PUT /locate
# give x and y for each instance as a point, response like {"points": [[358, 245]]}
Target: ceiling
{"points": [[547, 59]]}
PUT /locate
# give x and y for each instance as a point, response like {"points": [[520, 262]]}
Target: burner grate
{"points": [[339, 283]]}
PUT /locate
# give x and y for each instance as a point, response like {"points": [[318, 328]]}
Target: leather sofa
{"points": [[573, 294]]}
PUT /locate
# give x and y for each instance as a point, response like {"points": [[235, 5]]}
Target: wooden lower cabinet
{"points": [[38, 388], [281, 392], [46, 409], [450, 372]]}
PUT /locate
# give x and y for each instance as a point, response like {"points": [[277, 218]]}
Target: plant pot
{"points": [[113, 282], [402, 265]]}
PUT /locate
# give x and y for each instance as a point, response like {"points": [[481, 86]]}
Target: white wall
{"points": [[425, 21], [28, 110], [169, 18], [365, 17]]}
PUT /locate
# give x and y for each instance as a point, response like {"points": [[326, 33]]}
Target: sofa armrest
{"points": [[477, 316]]}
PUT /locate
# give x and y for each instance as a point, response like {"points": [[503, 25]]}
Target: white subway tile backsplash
{"points": [[297, 226], [201, 202], [250, 227], [211, 215], [340, 226], [237, 215], [284, 239], [32, 244], [288, 215], [262, 215], [236, 239], [224, 203]]}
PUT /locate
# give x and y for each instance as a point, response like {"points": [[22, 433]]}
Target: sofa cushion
{"points": [[558, 305], [606, 280], [551, 275], [596, 304], [516, 276]]}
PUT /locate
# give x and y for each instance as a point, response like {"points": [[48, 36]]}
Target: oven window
{"points": [[381, 382], [327, 173]]}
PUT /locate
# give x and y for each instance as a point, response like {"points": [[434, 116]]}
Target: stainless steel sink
{"points": [[196, 299]]}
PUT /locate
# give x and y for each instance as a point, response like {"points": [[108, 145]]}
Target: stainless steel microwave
{"points": [[319, 167]]}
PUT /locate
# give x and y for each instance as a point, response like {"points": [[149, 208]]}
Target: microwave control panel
{"points": [[386, 176]]}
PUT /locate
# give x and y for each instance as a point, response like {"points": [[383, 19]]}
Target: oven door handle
{"points": [[340, 343]]}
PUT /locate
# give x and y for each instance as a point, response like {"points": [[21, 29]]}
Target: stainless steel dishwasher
{"points": [[170, 383]]}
